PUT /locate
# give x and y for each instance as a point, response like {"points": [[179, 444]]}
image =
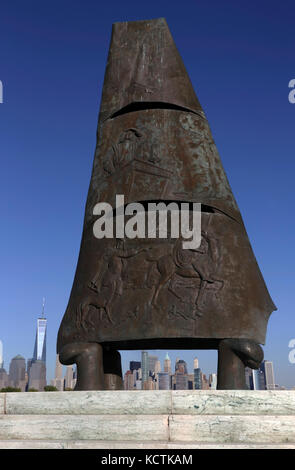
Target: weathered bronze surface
{"points": [[154, 144]]}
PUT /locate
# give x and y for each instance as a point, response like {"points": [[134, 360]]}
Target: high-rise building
{"points": [[138, 385], [157, 367], [255, 379], [134, 365], [258, 379], [58, 368], [190, 384], [197, 379], [213, 381], [1, 355], [181, 381], [144, 367], [164, 380], [181, 366], [181, 376], [205, 382], [149, 384], [37, 375], [4, 378], [167, 364], [37, 365], [128, 380], [267, 368], [17, 373], [40, 341], [58, 380], [69, 378], [196, 363], [152, 363], [248, 378]]}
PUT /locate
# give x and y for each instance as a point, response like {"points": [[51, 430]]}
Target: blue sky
{"points": [[240, 58]]}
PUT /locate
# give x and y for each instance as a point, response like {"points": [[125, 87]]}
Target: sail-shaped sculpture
{"points": [[154, 145]]}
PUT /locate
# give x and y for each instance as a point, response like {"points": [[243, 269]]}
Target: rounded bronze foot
{"points": [[112, 369], [89, 360], [233, 356]]}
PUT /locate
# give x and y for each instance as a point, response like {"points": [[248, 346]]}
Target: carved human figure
{"points": [[107, 282]]}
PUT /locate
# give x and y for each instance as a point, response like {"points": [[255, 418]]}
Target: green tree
{"points": [[10, 389], [33, 390], [50, 388]]}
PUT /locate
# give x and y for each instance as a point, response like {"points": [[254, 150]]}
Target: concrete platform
{"points": [[148, 420]]}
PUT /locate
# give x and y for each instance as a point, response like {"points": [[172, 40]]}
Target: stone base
{"points": [[196, 419]]}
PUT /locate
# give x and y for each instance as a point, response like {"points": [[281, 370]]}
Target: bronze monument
{"points": [[154, 145]]}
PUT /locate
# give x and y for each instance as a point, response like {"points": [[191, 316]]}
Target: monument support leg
{"points": [[233, 356], [89, 360], [112, 369]]}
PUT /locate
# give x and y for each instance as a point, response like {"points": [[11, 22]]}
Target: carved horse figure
{"points": [[191, 263]]}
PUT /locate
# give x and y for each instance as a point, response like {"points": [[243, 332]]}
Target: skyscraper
{"points": [[17, 373], [205, 382], [181, 376], [258, 379], [40, 341], [197, 379], [181, 367], [213, 381], [37, 365], [167, 364], [157, 366], [37, 375], [58, 380], [152, 361], [69, 378], [128, 380], [4, 378], [249, 378], [1, 355], [144, 367], [164, 380], [196, 363], [134, 365], [267, 368]]}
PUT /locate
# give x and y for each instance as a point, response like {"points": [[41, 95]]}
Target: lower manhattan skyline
{"points": [[48, 115], [207, 361]]}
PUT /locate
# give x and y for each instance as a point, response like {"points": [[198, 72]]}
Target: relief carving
{"points": [[132, 144], [180, 267], [106, 284], [186, 274]]}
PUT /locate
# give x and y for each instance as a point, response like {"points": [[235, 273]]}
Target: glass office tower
{"points": [[144, 367], [37, 365], [40, 341]]}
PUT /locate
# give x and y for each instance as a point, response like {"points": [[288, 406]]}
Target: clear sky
{"points": [[240, 57]]}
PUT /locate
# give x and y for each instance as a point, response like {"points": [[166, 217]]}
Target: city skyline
{"points": [[64, 376], [240, 61], [40, 347], [150, 374]]}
